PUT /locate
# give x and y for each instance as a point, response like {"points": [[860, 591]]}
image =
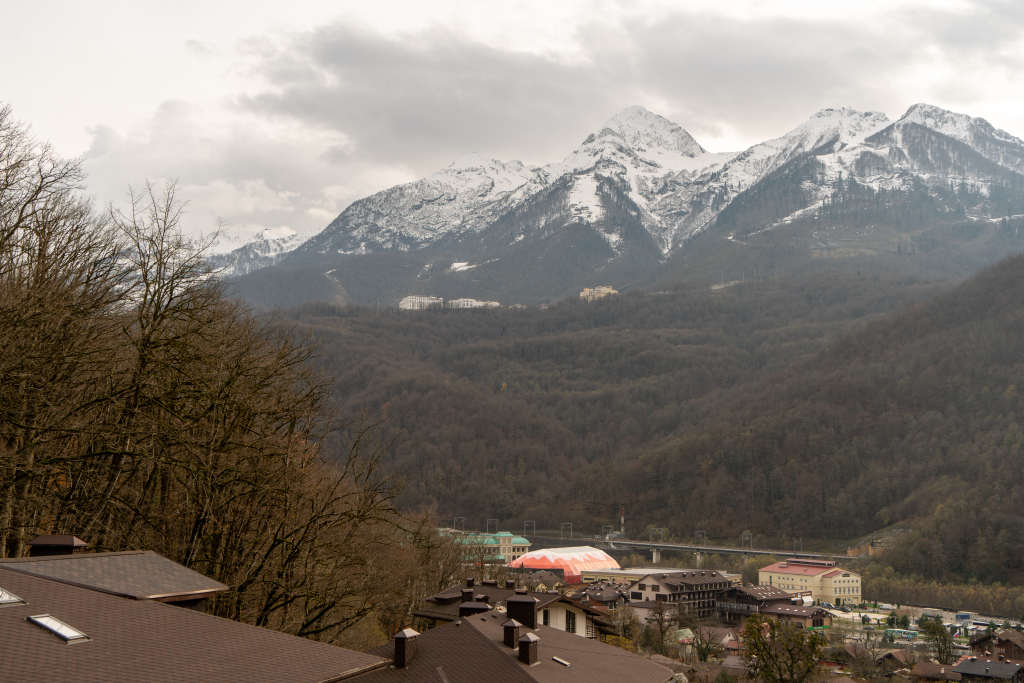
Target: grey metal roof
{"points": [[987, 668], [140, 574]]}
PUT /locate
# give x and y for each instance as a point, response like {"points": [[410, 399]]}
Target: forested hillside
{"points": [[550, 414], [773, 406]]}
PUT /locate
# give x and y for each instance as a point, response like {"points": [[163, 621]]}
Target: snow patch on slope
{"points": [[584, 201]]}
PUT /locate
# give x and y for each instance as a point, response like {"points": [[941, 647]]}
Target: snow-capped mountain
{"points": [[463, 197], [640, 187], [259, 251]]}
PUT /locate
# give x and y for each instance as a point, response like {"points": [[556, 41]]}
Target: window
{"points": [[642, 586], [9, 598], [59, 628], [655, 587], [547, 618], [633, 595], [570, 621]]}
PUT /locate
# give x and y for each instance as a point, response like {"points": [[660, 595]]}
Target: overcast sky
{"points": [[280, 114]]}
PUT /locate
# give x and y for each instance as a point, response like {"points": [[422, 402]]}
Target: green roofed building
{"points": [[499, 548]]}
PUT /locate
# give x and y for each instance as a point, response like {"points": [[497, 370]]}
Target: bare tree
{"points": [[776, 651]]}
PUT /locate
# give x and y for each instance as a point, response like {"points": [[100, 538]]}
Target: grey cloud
{"points": [[426, 99], [433, 97], [362, 111]]}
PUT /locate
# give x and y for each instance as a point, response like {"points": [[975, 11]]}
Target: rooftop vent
{"points": [[7, 598], [57, 627], [42, 546], [522, 608], [510, 583], [511, 629], [470, 582], [528, 649], [405, 647]]}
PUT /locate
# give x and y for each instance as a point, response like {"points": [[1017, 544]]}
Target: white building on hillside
{"points": [[471, 303], [418, 302]]}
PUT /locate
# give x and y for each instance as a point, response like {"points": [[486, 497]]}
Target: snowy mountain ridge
{"points": [[675, 186]]}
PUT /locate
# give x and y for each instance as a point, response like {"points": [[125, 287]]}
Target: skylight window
{"points": [[7, 598], [57, 627]]}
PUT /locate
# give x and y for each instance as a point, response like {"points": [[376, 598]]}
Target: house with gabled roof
{"points": [[53, 631], [493, 647], [695, 590], [136, 574]]}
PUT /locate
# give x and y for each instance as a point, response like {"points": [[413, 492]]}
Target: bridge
{"points": [[657, 547]]}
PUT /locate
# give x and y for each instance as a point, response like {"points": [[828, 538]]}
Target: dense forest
{"points": [[822, 406], [519, 413]]}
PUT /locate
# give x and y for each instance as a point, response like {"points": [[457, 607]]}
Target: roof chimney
{"points": [[405, 647], [470, 582], [528, 649], [467, 594], [481, 598], [510, 584], [522, 608], [511, 633], [42, 546]]}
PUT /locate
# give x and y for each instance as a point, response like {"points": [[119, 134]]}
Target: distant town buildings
{"points": [[596, 293], [496, 549], [418, 302], [471, 303], [822, 579]]}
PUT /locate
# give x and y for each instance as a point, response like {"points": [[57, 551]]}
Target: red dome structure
{"points": [[570, 561]]}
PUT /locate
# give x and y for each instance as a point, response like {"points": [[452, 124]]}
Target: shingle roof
{"points": [[991, 669], [473, 650], [141, 574], [494, 594], [148, 641], [1013, 636], [942, 672], [765, 592], [796, 610]]}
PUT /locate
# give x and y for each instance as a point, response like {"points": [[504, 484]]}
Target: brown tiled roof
{"points": [[472, 650], [495, 594], [455, 653], [140, 574], [940, 672], [148, 641], [66, 540], [440, 611], [901, 655], [1013, 636]]}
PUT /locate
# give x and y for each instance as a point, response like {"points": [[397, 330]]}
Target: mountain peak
{"points": [[642, 129]]}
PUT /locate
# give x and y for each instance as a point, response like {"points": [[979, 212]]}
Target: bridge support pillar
{"points": [[655, 556], [697, 557]]}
